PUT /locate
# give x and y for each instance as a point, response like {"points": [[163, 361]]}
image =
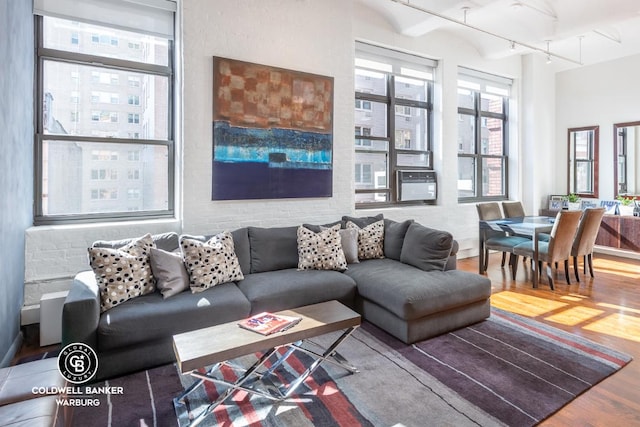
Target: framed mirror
{"points": [[583, 161], [626, 154]]}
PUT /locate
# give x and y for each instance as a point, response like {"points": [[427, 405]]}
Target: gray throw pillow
{"points": [[426, 248], [349, 240], [165, 241], [394, 233], [169, 271], [274, 248], [362, 221]]}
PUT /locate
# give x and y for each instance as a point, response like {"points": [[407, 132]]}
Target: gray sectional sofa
{"points": [[413, 293]]}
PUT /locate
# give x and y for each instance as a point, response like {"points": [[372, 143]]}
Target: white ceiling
{"points": [[584, 31]]}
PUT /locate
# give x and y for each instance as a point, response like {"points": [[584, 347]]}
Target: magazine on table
{"points": [[269, 323]]}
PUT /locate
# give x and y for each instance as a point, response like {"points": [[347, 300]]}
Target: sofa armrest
{"points": [[452, 262], [81, 311]]}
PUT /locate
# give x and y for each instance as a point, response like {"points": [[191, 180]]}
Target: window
{"points": [[393, 120], [583, 161], [83, 143], [483, 102]]}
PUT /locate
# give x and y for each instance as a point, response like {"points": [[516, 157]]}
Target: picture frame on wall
{"points": [[556, 203], [272, 132]]}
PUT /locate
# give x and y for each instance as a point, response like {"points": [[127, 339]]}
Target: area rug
{"points": [[507, 370]]}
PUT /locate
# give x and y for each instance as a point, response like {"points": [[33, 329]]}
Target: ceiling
{"points": [[577, 32]]}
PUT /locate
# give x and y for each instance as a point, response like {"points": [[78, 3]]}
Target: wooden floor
{"points": [[604, 309]]}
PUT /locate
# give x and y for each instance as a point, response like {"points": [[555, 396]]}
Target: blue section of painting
{"points": [[250, 163]]}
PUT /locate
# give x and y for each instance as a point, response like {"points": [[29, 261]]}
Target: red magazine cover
{"points": [[268, 323]]}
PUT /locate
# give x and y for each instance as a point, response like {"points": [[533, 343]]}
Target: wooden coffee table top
{"points": [[204, 347]]}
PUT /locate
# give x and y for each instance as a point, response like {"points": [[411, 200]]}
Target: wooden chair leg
{"points": [[504, 259], [566, 271], [575, 268], [514, 266], [590, 260], [584, 264], [486, 260], [550, 276]]}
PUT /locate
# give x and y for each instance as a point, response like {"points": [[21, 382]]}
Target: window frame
{"points": [[106, 64], [592, 160], [362, 143], [479, 116]]}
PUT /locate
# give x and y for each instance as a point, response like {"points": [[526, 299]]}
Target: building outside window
{"points": [[483, 105], [393, 121], [85, 135]]}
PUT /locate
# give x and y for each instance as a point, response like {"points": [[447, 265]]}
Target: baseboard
{"points": [[616, 252], [13, 350]]}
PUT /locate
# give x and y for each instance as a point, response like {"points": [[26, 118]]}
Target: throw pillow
{"points": [[210, 263], [426, 248], [394, 233], [320, 251], [123, 273], [169, 271], [362, 221], [370, 240], [348, 238]]}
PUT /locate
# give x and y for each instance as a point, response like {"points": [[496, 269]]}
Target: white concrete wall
{"points": [[309, 36], [601, 94]]}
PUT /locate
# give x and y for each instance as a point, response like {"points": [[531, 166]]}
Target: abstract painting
{"points": [[272, 132]]}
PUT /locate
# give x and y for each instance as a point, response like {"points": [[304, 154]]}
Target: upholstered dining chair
{"points": [[557, 249], [513, 209], [496, 240], [586, 238]]}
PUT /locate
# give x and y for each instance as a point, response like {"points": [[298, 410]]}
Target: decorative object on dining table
{"points": [[610, 206], [626, 205], [573, 202], [589, 203]]}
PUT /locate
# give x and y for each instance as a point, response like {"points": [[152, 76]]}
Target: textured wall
{"points": [[303, 35], [16, 162]]}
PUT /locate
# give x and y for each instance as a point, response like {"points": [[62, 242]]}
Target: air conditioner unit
{"points": [[416, 185]]}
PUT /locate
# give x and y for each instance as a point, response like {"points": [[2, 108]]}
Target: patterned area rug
{"points": [[507, 370]]}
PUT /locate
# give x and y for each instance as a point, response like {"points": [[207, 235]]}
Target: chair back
{"points": [[513, 209], [562, 235], [587, 232], [489, 211]]}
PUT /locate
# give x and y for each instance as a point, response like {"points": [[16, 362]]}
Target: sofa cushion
{"points": [[361, 221], [169, 271], [124, 273], [290, 288], [321, 250], [370, 239], [240, 245], [150, 317], [210, 263], [165, 241], [274, 248], [411, 293], [426, 248], [394, 233]]}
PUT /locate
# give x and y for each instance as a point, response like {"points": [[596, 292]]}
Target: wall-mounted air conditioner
{"points": [[417, 185]]}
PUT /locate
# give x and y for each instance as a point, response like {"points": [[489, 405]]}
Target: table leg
{"points": [[246, 381]]}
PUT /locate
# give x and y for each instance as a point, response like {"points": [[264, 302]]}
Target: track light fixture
{"points": [[548, 53]]}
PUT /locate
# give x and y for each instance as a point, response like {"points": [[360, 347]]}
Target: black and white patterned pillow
{"points": [[123, 273], [322, 250], [212, 262], [370, 240]]}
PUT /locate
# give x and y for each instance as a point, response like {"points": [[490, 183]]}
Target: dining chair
{"points": [[496, 240], [513, 209], [557, 249], [586, 238]]}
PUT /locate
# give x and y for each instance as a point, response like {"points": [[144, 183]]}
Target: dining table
{"points": [[529, 226]]}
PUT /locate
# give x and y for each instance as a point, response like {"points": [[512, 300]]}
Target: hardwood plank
{"points": [[604, 309]]}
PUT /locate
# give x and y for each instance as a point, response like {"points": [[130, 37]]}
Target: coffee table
{"points": [[218, 345]]}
